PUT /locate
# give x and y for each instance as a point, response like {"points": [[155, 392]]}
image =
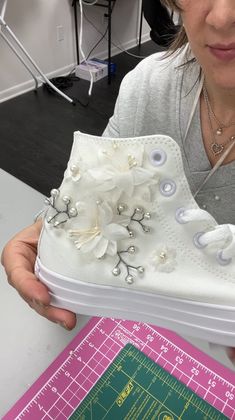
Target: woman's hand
{"points": [[18, 258]]}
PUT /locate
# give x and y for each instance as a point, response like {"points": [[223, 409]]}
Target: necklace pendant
{"points": [[217, 148], [219, 131]]}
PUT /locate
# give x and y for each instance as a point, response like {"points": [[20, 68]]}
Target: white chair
{"points": [[16, 46]]}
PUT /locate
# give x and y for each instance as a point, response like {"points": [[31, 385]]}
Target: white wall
{"points": [[35, 24]]}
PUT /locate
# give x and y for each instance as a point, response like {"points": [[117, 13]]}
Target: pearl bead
{"points": [[56, 224], [139, 210], [131, 234], [66, 199], [54, 192], [132, 161], [162, 255], [116, 271], [74, 169], [49, 219], [147, 216], [121, 207], [131, 249], [47, 201], [217, 198], [73, 212], [129, 279], [140, 269], [204, 206]]}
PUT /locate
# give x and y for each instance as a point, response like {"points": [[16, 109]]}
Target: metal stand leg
{"points": [[20, 58], [4, 26], [74, 4], [141, 24], [109, 40]]}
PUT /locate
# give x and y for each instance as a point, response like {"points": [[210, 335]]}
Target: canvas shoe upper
{"points": [[124, 237]]}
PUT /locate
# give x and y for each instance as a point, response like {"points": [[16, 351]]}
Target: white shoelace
{"points": [[223, 235]]}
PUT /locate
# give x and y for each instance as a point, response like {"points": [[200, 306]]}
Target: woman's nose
{"points": [[221, 14]]}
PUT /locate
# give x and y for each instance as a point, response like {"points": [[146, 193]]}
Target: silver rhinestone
{"points": [[116, 271], [131, 234], [49, 219], [131, 249], [147, 216], [73, 212], [140, 269], [129, 279], [66, 199], [54, 192], [56, 224], [139, 210]]}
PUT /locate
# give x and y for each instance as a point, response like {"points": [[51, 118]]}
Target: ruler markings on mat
{"points": [[135, 387], [68, 380]]}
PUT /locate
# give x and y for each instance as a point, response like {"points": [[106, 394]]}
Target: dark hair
{"points": [[181, 38]]}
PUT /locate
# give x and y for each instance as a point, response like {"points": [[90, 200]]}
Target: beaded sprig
{"points": [[68, 212]]}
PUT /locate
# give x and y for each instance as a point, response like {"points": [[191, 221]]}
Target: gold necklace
{"points": [[221, 125], [216, 148]]}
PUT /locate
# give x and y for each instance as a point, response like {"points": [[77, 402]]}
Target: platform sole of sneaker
{"points": [[211, 322]]}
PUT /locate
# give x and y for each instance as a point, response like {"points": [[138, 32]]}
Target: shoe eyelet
{"points": [[167, 187], [178, 215], [157, 157], [196, 240], [221, 260]]}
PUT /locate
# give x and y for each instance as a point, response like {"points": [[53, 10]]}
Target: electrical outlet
{"points": [[60, 33]]}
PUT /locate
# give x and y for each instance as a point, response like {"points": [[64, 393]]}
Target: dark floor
{"points": [[36, 129]]}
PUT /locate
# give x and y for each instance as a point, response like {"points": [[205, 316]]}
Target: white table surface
{"points": [[29, 343]]}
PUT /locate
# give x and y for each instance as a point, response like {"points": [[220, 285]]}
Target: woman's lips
{"points": [[223, 52]]}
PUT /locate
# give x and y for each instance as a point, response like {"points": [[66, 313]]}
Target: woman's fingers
{"points": [[62, 317], [18, 258], [231, 353]]}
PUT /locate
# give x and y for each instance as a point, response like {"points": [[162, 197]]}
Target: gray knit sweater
{"points": [[156, 98]]}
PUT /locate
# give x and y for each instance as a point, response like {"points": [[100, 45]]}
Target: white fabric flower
{"points": [[109, 179], [101, 236], [164, 259]]}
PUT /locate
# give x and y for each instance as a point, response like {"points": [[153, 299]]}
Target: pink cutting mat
{"points": [[61, 388]]}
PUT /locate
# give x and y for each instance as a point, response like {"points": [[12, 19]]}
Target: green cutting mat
{"points": [[136, 388]]}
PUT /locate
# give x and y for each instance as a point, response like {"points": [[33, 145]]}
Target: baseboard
{"points": [[29, 85]]}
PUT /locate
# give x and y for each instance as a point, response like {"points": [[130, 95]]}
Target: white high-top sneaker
{"points": [[123, 237]]}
